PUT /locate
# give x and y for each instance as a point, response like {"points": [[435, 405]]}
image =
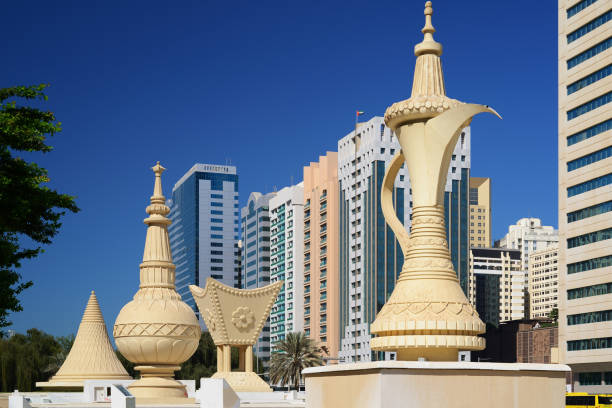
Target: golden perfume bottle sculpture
{"points": [[157, 330], [427, 315], [234, 318]]}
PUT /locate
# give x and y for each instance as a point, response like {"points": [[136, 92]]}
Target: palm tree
{"points": [[293, 354]]}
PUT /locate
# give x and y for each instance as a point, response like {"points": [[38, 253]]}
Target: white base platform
{"points": [[395, 384]]}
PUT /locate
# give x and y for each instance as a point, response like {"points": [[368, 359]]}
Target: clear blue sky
{"points": [[266, 85]]}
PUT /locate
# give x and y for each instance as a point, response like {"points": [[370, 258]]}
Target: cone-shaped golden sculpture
{"points": [[157, 330], [427, 315], [91, 356], [234, 318]]}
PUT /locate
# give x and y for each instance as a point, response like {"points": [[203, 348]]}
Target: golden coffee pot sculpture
{"points": [[427, 315], [157, 330], [234, 318]]}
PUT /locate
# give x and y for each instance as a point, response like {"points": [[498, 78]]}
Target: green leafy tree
{"points": [[29, 209], [24, 359], [55, 361], [293, 354], [554, 315]]}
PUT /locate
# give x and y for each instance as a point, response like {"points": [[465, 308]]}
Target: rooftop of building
{"points": [[495, 252], [205, 168]]}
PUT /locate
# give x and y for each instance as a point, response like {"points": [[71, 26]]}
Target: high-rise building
{"points": [[585, 192], [238, 277], [528, 235], [497, 284], [204, 230], [321, 273], [255, 272], [480, 212], [370, 257], [543, 281], [287, 261]]}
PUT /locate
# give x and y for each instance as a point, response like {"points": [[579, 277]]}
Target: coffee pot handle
{"points": [[386, 201]]}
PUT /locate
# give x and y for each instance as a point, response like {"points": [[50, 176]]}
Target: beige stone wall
{"points": [[321, 200], [543, 282], [480, 214], [393, 384], [593, 360]]}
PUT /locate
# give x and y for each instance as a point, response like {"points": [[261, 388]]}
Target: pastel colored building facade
{"points": [[585, 192], [497, 284], [321, 254], [543, 282], [287, 261], [204, 229], [480, 212], [370, 256]]}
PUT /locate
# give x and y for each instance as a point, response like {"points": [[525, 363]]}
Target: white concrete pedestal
{"points": [[395, 384]]}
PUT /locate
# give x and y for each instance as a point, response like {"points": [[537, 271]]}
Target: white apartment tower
{"points": [[287, 261], [370, 257], [543, 281], [529, 235]]}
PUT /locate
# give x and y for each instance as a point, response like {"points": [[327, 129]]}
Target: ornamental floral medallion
{"points": [[243, 317]]}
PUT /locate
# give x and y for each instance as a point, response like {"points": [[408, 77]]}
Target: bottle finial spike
{"points": [[428, 45]]}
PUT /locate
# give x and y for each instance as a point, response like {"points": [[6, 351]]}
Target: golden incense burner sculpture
{"points": [[234, 318], [427, 315], [157, 330]]}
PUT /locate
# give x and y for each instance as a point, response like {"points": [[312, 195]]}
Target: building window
{"points": [[589, 211], [590, 26], [589, 132], [590, 53], [578, 7], [588, 291], [589, 378], [590, 317], [589, 264], [589, 106], [589, 185], [589, 159], [589, 79], [589, 238]]}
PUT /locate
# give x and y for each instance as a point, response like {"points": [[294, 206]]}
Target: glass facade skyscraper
{"points": [[255, 265], [204, 229]]}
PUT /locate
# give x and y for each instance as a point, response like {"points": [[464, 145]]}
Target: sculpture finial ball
{"points": [[428, 8], [158, 169]]}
